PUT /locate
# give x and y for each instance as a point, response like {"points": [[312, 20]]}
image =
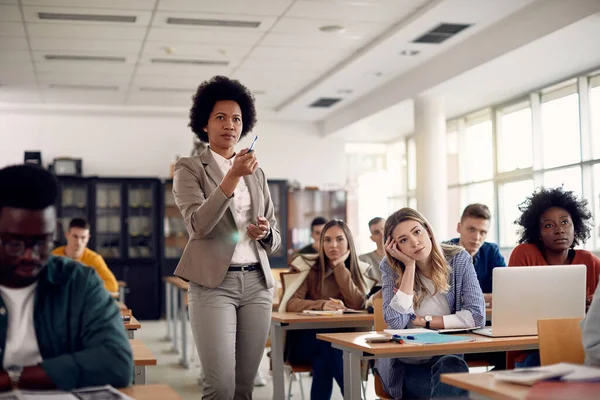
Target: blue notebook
{"points": [[432, 338]]}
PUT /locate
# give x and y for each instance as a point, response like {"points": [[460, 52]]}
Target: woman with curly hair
{"points": [[553, 222], [225, 201], [425, 285]]}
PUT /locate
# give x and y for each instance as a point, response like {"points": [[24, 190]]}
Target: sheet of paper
{"points": [[407, 331]]}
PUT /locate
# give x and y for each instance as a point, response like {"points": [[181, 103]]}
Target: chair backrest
{"points": [[380, 324], [560, 341], [287, 278]]}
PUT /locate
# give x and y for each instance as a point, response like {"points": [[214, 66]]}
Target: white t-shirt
{"points": [[21, 342]]}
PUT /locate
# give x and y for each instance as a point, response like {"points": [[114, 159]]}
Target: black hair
{"points": [[79, 223], [375, 220], [220, 88], [544, 198], [317, 221], [28, 187], [476, 210]]}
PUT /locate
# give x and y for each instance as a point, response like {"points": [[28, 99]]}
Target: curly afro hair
{"points": [[544, 198], [216, 89]]}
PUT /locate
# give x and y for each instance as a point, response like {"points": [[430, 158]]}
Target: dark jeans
{"points": [[422, 381], [303, 348]]}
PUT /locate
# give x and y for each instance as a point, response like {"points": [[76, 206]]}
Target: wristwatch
{"points": [[428, 319], [14, 374]]}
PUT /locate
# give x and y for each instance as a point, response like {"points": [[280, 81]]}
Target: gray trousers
{"points": [[230, 324]]}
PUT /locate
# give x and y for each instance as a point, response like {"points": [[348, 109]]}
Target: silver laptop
{"points": [[523, 295]]}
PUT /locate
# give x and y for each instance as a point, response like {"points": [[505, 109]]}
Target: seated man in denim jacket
{"points": [[59, 328]]}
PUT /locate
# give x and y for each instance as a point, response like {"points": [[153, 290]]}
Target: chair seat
{"points": [[299, 368]]}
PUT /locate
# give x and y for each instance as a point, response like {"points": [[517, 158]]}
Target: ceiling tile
{"points": [[262, 7], [12, 29], [82, 97], [13, 43], [196, 50], [11, 2], [39, 56], [305, 26], [16, 66], [10, 94], [10, 14], [313, 42], [14, 78], [83, 31], [77, 45], [160, 20], [180, 70], [15, 56], [118, 4], [67, 67], [177, 35], [379, 11], [142, 17], [160, 99], [83, 79]]}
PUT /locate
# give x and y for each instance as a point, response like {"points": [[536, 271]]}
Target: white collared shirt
{"points": [[244, 252]]}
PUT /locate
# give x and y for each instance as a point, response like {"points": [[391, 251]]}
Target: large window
{"points": [[477, 157], [551, 139], [568, 178], [560, 128], [595, 115], [511, 195], [515, 126]]}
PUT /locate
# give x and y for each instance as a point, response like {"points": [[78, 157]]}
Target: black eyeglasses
{"points": [[15, 247]]}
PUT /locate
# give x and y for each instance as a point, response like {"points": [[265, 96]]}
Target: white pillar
{"points": [[432, 181]]}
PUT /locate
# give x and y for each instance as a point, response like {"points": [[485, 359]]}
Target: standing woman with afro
{"points": [[553, 222], [225, 202]]}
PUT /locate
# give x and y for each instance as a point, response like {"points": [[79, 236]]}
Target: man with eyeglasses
{"points": [[59, 327]]}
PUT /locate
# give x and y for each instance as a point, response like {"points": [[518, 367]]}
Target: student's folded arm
{"points": [[352, 296], [473, 304], [110, 282], [105, 356], [298, 301], [397, 309], [272, 242], [200, 213]]}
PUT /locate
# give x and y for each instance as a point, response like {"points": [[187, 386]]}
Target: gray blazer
{"points": [[208, 215]]}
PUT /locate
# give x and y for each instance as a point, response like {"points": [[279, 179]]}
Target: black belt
{"points": [[244, 268]]}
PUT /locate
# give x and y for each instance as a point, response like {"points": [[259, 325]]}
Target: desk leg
{"points": [[183, 318], [168, 310], [130, 333], [175, 298], [277, 335], [352, 389], [122, 295], [139, 375]]}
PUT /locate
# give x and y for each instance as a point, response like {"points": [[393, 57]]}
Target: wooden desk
{"points": [[142, 357], [132, 326], [485, 386], [151, 392], [282, 322], [356, 349], [122, 305], [176, 300]]}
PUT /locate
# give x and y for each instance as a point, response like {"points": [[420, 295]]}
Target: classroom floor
{"points": [[185, 381]]}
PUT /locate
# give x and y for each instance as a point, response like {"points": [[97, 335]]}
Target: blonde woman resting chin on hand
{"points": [[425, 285]]}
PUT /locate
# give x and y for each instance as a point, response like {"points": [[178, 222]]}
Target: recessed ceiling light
{"points": [[375, 74], [345, 91], [332, 29], [409, 53]]}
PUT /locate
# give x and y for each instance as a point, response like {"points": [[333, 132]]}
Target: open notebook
{"points": [[337, 312], [563, 371]]}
